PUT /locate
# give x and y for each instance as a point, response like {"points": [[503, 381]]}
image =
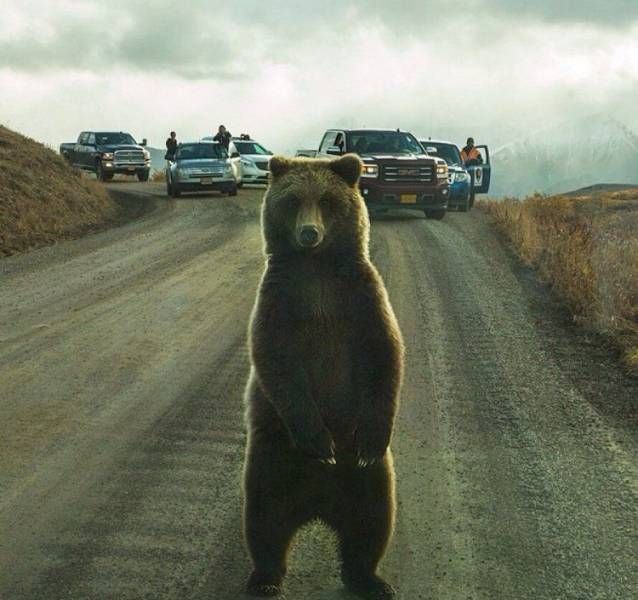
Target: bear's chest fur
{"points": [[324, 334]]}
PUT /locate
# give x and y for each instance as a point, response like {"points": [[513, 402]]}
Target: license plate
{"points": [[131, 168], [408, 198], [206, 180]]}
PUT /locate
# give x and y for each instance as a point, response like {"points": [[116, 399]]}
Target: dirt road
{"points": [[122, 362]]}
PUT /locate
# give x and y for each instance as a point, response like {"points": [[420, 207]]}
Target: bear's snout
{"points": [[309, 236]]}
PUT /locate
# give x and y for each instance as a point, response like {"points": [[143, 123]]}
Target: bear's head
{"points": [[314, 207]]}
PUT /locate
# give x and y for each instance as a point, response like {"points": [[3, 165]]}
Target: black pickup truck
{"points": [[108, 152], [397, 173]]}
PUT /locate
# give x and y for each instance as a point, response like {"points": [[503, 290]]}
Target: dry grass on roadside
{"points": [[158, 176], [586, 247], [42, 198]]}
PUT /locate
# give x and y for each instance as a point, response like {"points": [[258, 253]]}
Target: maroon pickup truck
{"points": [[397, 173]]}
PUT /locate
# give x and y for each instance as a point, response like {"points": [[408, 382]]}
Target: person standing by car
{"points": [[222, 136], [171, 146], [470, 154]]}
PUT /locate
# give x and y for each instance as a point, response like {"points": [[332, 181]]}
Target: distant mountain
{"points": [[566, 156]]}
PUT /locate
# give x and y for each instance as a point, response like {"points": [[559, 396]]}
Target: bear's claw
{"points": [[262, 585], [371, 445], [319, 446]]}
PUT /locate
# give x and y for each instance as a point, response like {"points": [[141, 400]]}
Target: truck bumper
{"points": [[254, 175], [386, 197], [226, 185], [127, 169]]}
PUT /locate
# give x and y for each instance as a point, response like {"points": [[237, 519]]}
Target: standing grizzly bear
{"points": [[327, 363]]}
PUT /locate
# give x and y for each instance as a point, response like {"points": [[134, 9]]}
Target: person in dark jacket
{"points": [[222, 136], [171, 146]]}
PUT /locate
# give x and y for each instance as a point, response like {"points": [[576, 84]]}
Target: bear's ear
{"points": [[348, 167], [279, 165]]}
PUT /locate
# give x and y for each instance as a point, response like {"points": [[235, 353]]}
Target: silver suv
{"points": [[200, 167]]}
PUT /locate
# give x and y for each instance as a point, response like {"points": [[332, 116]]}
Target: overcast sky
{"points": [[284, 71]]}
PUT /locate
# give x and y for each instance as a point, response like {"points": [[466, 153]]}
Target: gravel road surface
{"points": [[122, 363]]}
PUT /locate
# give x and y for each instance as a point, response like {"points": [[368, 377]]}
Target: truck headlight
{"points": [[462, 176], [107, 155], [370, 171], [247, 162], [228, 169], [441, 171], [147, 155]]}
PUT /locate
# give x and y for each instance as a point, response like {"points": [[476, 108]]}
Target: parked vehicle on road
{"points": [[200, 167], [108, 152], [397, 173], [235, 160], [460, 195], [254, 159], [465, 181]]}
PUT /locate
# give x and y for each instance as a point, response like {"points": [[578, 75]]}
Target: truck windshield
{"points": [[448, 152], [251, 148], [113, 139], [194, 151], [375, 142]]}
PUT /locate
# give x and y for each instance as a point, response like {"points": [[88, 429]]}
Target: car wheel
{"points": [[240, 185], [169, 190], [143, 175], [233, 191], [435, 214], [176, 191], [471, 200], [464, 206], [99, 171]]}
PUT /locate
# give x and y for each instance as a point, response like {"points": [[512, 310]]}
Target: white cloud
{"points": [[286, 75]]}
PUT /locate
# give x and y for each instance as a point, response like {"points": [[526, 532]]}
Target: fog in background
{"points": [[551, 87]]}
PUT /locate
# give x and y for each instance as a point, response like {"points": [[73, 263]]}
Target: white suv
{"points": [[254, 159]]}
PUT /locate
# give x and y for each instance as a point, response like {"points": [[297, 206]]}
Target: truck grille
{"points": [[129, 157], [408, 173], [263, 165]]}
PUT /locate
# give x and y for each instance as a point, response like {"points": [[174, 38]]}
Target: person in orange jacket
{"points": [[470, 154]]}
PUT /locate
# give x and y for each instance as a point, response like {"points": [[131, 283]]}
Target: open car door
{"points": [[481, 174]]}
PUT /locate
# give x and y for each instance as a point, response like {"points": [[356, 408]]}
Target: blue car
{"points": [[466, 180], [461, 196]]}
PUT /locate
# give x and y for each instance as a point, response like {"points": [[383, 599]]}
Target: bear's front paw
{"points": [[371, 443], [320, 446]]}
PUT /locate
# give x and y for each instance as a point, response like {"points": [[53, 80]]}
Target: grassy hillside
{"points": [[586, 247], [43, 199]]}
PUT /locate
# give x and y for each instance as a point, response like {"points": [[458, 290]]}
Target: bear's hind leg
{"points": [[268, 527], [364, 519], [280, 496], [268, 547]]}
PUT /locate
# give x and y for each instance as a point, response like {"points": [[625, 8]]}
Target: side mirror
{"points": [[235, 155], [143, 142], [335, 150]]}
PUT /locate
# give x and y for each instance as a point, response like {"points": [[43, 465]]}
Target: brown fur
{"points": [[326, 371]]}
